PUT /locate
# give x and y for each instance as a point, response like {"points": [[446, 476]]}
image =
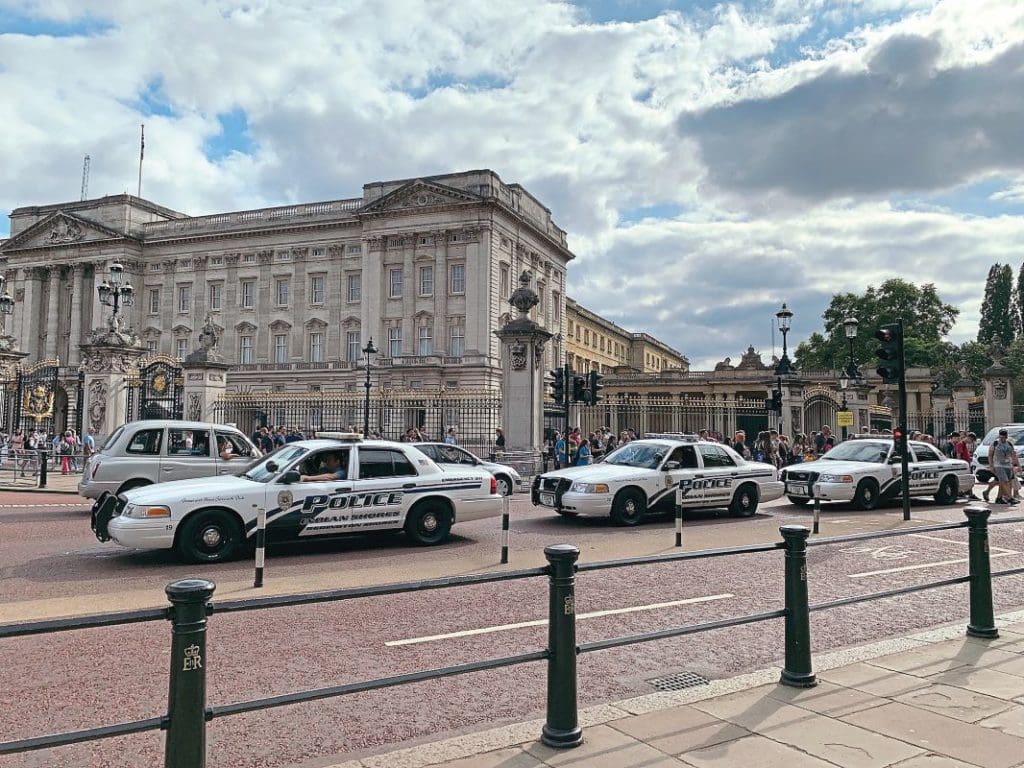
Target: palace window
{"points": [[319, 252], [282, 286], [316, 347], [395, 283], [457, 279], [281, 348], [245, 350], [180, 348], [184, 298], [458, 337], [216, 290], [352, 346], [247, 296], [154, 301], [355, 287], [151, 347], [426, 281], [316, 289], [503, 281], [394, 342], [425, 340]]}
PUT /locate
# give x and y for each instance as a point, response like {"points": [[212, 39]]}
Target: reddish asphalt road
{"points": [[92, 677]]}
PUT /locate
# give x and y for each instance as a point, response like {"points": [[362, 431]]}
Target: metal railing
{"points": [[188, 713]]}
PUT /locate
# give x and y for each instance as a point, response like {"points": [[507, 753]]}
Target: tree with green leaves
{"points": [[995, 309], [926, 320], [1017, 305]]}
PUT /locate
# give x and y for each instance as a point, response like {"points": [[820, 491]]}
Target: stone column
{"points": [[205, 382], [99, 274], [52, 315], [998, 395], [522, 358], [75, 336], [108, 366], [29, 310]]}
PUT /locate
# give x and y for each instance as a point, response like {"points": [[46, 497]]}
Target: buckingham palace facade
{"points": [[423, 266]]}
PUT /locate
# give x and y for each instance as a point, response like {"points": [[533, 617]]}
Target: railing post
{"points": [[679, 514], [504, 530], [186, 699], [797, 671], [817, 514], [43, 458], [983, 622], [562, 730]]}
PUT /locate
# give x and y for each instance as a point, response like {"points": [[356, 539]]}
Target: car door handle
{"points": [[407, 486], [167, 469], [343, 489], [698, 477]]}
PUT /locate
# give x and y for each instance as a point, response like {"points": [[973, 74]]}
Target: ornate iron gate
{"points": [[158, 392], [35, 392]]}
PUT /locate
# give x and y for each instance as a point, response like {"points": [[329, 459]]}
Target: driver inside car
{"points": [[332, 467]]}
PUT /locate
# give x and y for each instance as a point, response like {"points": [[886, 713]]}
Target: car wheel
{"points": [[131, 485], [567, 513], [428, 523], [866, 496], [744, 501], [211, 536], [948, 491], [504, 485], [798, 501], [629, 507]]}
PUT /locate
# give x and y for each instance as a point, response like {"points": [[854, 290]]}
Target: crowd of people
{"points": [[66, 451]]}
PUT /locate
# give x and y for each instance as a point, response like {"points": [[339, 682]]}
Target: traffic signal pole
{"points": [[568, 404], [904, 446]]}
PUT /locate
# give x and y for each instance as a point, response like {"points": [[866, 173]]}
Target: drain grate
{"points": [[678, 681]]}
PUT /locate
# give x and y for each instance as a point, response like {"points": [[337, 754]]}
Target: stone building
{"points": [[594, 343], [424, 266]]}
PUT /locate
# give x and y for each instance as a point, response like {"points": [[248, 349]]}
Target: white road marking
{"points": [[81, 505], [922, 565], [543, 622], [963, 543]]}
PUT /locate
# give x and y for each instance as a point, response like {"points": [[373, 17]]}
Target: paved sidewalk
{"points": [[55, 482], [932, 700]]}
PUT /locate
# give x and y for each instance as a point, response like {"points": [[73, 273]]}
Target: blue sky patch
{"points": [[438, 80], [971, 200], [153, 101], [233, 137], [13, 23], [658, 211], [606, 11]]}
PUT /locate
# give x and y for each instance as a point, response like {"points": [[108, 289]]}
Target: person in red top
{"points": [[960, 448]]}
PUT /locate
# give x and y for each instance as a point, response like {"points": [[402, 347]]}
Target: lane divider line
{"points": [[543, 622], [923, 565], [963, 543]]}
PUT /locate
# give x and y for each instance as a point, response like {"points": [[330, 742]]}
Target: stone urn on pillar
{"points": [[522, 356], [109, 359], [205, 374]]}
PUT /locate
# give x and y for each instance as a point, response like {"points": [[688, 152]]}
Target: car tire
{"points": [[744, 501], [949, 491], [504, 485], [629, 507], [131, 485], [866, 495], [428, 523], [567, 513], [210, 536], [797, 501]]}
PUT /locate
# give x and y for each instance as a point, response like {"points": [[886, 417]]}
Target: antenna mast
{"points": [[85, 177]]}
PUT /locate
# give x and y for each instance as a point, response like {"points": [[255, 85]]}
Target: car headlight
{"points": [[589, 488], [146, 511], [825, 478]]}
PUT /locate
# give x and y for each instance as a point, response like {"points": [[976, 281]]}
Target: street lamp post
{"points": [[368, 350], [784, 367], [850, 374], [116, 293]]}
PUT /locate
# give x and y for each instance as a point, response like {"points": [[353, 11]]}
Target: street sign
{"points": [[844, 418]]}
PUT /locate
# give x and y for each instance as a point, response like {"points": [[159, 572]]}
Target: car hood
{"points": [[823, 466], [604, 473], [221, 487]]}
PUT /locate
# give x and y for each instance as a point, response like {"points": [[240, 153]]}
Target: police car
{"points": [[642, 476], [868, 471], [334, 485]]}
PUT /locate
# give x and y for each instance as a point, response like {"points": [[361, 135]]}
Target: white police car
{"points": [[642, 476], [866, 471], [380, 485]]}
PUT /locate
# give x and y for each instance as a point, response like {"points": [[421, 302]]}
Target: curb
{"points": [[35, 489], [503, 737]]}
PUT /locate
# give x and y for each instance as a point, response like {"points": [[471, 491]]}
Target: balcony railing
{"points": [[268, 216]]}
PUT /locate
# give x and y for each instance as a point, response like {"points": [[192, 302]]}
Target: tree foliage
{"points": [[996, 321], [926, 320]]}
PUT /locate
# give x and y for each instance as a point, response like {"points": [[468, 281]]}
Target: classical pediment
{"points": [[61, 229], [420, 194], [245, 327]]}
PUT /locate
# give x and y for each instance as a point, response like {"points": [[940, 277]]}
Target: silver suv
{"points": [[147, 452]]}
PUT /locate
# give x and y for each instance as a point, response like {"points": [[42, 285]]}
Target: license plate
{"points": [[547, 499], [796, 489]]}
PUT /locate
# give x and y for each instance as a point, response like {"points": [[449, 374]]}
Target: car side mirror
{"points": [[289, 477], [272, 466], [670, 465]]}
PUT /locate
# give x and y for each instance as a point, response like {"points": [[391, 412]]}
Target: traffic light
{"points": [[558, 385], [777, 400], [890, 352], [594, 387], [579, 389]]}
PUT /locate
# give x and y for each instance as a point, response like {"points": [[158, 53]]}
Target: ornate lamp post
{"points": [[368, 350], [115, 292], [784, 367], [850, 374]]}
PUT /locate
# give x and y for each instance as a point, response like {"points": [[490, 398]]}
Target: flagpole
{"points": [[142, 152]]}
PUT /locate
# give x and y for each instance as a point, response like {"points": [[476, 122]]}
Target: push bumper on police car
{"points": [[576, 497], [811, 485], [143, 526]]}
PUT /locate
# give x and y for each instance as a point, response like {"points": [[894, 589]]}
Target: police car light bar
{"points": [[685, 437], [347, 437]]}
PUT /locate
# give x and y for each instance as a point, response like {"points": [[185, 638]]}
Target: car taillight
{"points": [[494, 486]]}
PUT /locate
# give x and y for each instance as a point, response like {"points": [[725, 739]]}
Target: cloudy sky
{"points": [[709, 160]]}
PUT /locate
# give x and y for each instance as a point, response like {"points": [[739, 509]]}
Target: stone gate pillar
{"points": [[998, 395], [109, 359], [522, 361], [205, 375]]}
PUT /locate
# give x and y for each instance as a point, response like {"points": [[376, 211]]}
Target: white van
{"points": [[979, 462]]}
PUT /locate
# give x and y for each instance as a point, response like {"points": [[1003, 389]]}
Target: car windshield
{"points": [[284, 455], [1016, 437], [645, 455], [859, 450]]}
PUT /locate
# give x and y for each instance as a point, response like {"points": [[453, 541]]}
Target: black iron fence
{"points": [[188, 713], [473, 418]]}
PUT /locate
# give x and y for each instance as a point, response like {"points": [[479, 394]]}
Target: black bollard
{"points": [[186, 700], [983, 621], [562, 728], [42, 468], [817, 513], [679, 515], [797, 671], [504, 530], [261, 543]]}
